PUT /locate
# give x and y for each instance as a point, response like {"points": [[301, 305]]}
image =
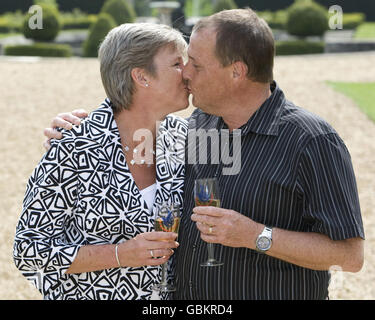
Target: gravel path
{"points": [[35, 90]]}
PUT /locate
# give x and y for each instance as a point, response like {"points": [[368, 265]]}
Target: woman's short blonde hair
{"points": [[129, 46]]}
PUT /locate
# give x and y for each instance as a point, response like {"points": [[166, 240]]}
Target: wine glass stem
{"points": [[210, 249], [164, 274]]}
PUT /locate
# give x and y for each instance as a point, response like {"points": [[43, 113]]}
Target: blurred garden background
{"points": [[325, 62], [74, 28]]}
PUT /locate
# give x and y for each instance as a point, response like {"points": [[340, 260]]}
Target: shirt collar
{"points": [[104, 128], [266, 119]]}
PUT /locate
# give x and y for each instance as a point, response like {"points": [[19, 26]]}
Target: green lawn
{"points": [[362, 93], [365, 31]]}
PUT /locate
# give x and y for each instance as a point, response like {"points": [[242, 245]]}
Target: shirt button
{"points": [[190, 284]]}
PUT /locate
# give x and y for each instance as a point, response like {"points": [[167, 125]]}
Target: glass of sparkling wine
{"points": [[206, 193], [167, 219]]}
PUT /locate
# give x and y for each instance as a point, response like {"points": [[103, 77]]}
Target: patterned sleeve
{"points": [[327, 182], [42, 250]]}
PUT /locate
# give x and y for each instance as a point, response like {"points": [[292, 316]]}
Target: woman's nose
{"points": [[185, 73]]}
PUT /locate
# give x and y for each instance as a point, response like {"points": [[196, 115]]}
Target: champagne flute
{"points": [[206, 193], [167, 219]]}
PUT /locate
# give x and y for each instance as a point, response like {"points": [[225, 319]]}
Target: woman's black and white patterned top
{"points": [[81, 193]]}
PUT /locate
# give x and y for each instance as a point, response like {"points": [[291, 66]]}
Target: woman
{"points": [[86, 227]]}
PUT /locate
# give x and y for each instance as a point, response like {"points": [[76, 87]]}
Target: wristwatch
{"points": [[264, 240]]}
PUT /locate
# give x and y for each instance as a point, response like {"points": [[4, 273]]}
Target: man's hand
{"points": [[306, 249], [227, 227], [65, 121]]}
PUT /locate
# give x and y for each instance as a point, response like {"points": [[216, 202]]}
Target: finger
{"points": [[209, 238], [204, 228], [157, 261], [66, 121], [152, 245], [159, 235], [207, 229], [47, 144], [205, 219], [61, 123], [162, 253], [210, 211], [51, 133], [70, 117], [80, 113]]}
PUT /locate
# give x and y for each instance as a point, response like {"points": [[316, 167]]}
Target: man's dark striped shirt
{"points": [[296, 174]]}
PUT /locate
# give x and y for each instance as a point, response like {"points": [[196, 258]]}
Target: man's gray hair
{"points": [[129, 46]]}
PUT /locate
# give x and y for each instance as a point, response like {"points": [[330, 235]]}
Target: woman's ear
{"points": [[139, 77]]}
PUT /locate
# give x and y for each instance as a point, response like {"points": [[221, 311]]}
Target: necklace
{"points": [[135, 152]]}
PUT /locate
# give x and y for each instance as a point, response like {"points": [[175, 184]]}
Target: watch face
{"points": [[263, 243]]}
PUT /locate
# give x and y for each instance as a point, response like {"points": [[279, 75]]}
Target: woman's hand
{"points": [[65, 121], [147, 249]]}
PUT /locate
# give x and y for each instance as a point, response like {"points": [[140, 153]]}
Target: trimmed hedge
{"points": [[97, 33], [276, 20], [353, 20], [298, 47], [307, 18], [51, 25], [39, 49], [79, 22], [204, 8], [11, 22], [120, 10], [224, 5], [5, 28]]}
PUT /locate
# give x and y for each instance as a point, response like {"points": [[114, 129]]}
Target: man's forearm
{"points": [[316, 251], [306, 249]]}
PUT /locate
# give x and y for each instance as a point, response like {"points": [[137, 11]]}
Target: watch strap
{"points": [[267, 232]]}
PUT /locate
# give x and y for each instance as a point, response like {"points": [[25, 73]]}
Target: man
{"points": [[292, 211]]}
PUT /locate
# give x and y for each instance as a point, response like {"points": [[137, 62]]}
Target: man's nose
{"points": [[185, 73]]}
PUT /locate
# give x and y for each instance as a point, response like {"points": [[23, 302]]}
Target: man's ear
{"points": [[139, 77], [239, 70]]}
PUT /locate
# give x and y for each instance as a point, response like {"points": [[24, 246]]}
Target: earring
{"points": [[146, 84]]}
